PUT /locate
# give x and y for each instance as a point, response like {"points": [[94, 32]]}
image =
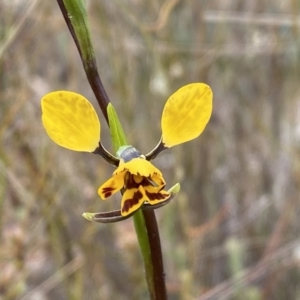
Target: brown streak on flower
{"points": [[137, 196], [107, 191], [134, 181], [156, 196]]}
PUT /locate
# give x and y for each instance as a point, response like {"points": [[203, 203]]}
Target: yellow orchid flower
{"points": [[142, 183], [71, 121]]}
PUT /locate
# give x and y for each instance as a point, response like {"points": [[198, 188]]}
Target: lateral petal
{"points": [[111, 186]]}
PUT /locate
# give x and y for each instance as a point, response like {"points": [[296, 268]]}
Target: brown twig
{"points": [[156, 255]]}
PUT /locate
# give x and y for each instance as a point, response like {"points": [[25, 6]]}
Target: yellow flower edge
{"points": [[71, 121], [142, 182], [186, 113]]}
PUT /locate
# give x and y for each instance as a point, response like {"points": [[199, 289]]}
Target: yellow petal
{"points": [[154, 195], [132, 200], [186, 114], [139, 166], [71, 121], [111, 186]]}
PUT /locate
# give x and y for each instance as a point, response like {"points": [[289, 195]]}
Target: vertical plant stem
{"points": [[156, 255], [143, 239], [149, 241]]}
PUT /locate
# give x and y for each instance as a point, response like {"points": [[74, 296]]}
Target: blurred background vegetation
{"points": [[233, 231]]}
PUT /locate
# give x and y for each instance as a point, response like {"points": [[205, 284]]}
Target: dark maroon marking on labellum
{"points": [[157, 196], [107, 191], [147, 182], [137, 196], [130, 182]]}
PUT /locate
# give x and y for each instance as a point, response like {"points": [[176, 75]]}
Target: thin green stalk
{"points": [[143, 239]]}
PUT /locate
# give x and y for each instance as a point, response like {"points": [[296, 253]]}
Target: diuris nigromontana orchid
{"points": [[71, 121]]}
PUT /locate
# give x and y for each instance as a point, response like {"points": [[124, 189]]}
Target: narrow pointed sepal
{"points": [[105, 217], [174, 190]]}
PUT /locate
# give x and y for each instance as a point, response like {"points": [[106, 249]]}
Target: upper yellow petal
{"points": [[138, 166], [186, 114], [71, 121]]}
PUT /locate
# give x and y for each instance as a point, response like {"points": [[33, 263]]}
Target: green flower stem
{"points": [[156, 255], [75, 16], [143, 239]]}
